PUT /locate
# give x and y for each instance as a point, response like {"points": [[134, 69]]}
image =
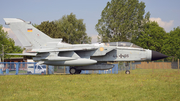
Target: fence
{"points": [[24, 68], [154, 66], [158, 65], [19, 68]]}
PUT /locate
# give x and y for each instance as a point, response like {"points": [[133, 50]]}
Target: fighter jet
{"points": [[51, 51]]}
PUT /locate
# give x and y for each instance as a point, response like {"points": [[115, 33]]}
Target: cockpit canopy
{"points": [[122, 44]]}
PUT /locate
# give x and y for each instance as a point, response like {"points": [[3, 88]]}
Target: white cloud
{"points": [[166, 25], [12, 35]]}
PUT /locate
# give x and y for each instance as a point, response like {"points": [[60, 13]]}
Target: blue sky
{"points": [[165, 12]]}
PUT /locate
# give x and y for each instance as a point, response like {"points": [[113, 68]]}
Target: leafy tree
{"points": [[7, 43], [69, 28], [172, 44], [35, 25], [151, 37], [49, 28], [72, 30], [17, 49], [121, 20]]}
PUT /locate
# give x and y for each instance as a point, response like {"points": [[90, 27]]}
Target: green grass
{"points": [[140, 85]]}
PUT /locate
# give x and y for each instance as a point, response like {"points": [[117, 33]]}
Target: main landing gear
{"points": [[73, 70]]}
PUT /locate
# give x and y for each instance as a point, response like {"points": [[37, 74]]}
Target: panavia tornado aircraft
{"points": [[50, 51]]}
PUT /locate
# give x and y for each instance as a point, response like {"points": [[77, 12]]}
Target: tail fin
{"points": [[28, 35]]}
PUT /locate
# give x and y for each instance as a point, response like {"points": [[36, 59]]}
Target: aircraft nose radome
{"points": [[157, 56]]}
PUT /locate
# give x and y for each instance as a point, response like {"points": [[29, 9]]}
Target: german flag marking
{"points": [[29, 30]]}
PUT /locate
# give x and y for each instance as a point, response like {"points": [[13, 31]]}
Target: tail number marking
{"points": [[121, 56]]}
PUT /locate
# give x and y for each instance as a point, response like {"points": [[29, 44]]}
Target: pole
{"points": [[47, 69], [17, 68], [2, 52], [64, 70], [153, 67]]}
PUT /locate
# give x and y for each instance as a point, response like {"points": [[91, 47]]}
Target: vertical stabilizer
{"points": [[27, 34]]}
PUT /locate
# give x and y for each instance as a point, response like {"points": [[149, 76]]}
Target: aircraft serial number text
{"points": [[121, 56]]}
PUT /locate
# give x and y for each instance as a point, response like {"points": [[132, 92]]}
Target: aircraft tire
{"points": [[127, 72], [72, 71]]}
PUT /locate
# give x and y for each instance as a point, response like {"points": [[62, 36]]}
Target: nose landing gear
{"points": [[127, 65], [127, 72]]}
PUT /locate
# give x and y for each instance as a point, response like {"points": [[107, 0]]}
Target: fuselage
{"points": [[88, 54]]}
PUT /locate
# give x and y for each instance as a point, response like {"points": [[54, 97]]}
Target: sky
{"points": [[165, 12]]}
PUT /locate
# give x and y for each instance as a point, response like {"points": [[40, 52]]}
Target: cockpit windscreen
{"points": [[122, 44]]}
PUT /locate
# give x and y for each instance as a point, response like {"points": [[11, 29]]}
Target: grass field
{"points": [[140, 85]]}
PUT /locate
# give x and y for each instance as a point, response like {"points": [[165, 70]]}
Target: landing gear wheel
{"points": [[72, 71], [127, 72]]}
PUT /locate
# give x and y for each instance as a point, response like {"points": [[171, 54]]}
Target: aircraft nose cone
{"points": [[157, 56]]}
